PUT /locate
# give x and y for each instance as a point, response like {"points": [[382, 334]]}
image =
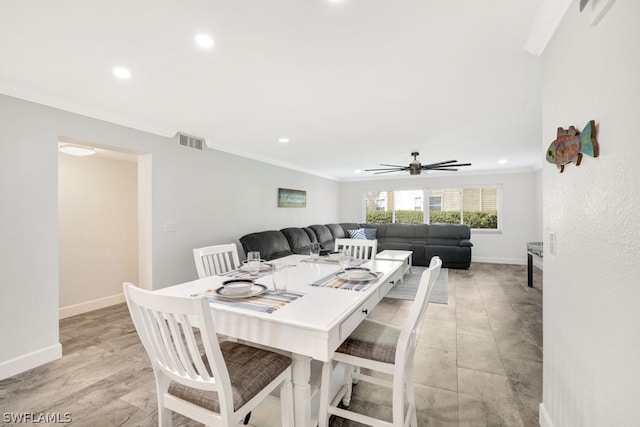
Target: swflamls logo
{"points": [[32, 417]]}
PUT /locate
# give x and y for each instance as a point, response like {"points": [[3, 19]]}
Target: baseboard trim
{"points": [[73, 310], [545, 419], [31, 360], [494, 260]]}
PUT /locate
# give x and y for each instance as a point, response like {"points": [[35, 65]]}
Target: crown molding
{"points": [[545, 25], [266, 159], [93, 113]]}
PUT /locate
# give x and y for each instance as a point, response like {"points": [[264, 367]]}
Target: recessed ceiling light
{"points": [[77, 151], [357, 171], [205, 41], [122, 73], [502, 161], [283, 140]]}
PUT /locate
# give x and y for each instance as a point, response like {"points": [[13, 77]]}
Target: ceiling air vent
{"points": [[190, 141]]}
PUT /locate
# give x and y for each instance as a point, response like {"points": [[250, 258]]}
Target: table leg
{"points": [[301, 371], [530, 270]]}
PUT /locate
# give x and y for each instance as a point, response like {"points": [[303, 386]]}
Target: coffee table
{"points": [[406, 257]]}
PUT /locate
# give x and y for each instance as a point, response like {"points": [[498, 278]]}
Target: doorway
{"points": [[102, 206]]}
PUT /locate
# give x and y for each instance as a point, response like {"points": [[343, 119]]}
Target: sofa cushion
{"points": [[447, 234], [311, 234], [298, 239], [337, 231], [271, 244], [370, 230], [324, 236], [370, 233], [346, 226], [420, 233], [357, 234], [403, 233]]}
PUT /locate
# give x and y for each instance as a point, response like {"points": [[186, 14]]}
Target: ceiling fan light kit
{"points": [[416, 168]]}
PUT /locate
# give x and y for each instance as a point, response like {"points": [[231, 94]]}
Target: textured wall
{"points": [[591, 292]]}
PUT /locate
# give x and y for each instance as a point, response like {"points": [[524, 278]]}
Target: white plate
{"points": [[257, 289], [237, 286], [357, 272], [370, 277], [263, 266]]}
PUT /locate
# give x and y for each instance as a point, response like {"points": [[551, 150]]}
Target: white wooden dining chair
{"points": [[214, 383], [385, 349], [216, 260], [358, 248]]}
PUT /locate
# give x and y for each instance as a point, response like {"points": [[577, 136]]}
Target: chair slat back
{"points": [[216, 260], [407, 339], [165, 325], [358, 248]]}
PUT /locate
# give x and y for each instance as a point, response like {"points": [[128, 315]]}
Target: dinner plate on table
{"points": [[369, 277], [332, 256], [256, 289], [263, 266]]}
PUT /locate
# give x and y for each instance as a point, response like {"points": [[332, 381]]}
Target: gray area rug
{"points": [[408, 288]]}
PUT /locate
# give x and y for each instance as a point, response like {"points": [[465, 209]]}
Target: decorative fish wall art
{"points": [[570, 145]]}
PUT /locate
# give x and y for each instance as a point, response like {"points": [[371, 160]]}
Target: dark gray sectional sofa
{"points": [[450, 242]]}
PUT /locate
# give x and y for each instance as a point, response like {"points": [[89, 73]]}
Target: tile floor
{"points": [[478, 361]]}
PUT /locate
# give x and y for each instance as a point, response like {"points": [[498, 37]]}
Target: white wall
{"points": [[98, 217], [212, 197], [520, 209], [591, 308]]}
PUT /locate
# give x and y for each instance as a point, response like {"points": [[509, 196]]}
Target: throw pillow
{"points": [[371, 233], [357, 234]]}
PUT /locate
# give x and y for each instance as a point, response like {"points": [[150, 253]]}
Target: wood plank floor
{"points": [[478, 362]]}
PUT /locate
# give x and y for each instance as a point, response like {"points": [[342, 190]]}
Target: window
{"points": [[476, 207], [435, 203], [401, 207]]}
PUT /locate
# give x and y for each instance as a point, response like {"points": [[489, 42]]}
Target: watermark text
{"points": [[36, 417]]}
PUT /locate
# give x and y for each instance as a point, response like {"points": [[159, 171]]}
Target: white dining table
{"points": [[311, 327]]}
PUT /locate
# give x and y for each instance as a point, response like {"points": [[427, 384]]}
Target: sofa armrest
{"points": [[465, 243]]}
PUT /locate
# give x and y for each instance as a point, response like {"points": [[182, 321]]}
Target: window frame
{"points": [[499, 205], [426, 197]]}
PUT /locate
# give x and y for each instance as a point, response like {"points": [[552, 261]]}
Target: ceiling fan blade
{"points": [[460, 164], [446, 162], [389, 171], [455, 165], [442, 169], [395, 166], [399, 168]]}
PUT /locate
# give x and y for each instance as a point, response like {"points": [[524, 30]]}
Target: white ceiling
{"points": [[351, 84]]}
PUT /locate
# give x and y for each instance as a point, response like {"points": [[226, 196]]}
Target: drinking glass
{"points": [[253, 262], [345, 258], [280, 278], [314, 250]]}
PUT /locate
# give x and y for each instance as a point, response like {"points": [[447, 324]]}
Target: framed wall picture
{"points": [[288, 198]]}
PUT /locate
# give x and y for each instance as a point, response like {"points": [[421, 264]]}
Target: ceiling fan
{"points": [[415, 167]]}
